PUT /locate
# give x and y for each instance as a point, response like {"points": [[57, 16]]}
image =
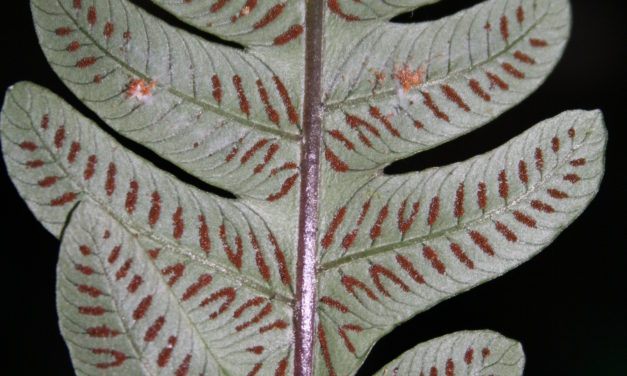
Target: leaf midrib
{"points": [[246, 122], [309, 210]]}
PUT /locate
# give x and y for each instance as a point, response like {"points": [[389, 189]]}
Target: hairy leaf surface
{"points": [[200, 105], [321, 253], [401, 89]]}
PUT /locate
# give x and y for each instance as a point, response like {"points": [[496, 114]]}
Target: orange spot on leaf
{"points": [[407, 78], [139, 89]]}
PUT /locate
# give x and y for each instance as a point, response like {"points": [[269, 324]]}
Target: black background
{"points": [[566, 306]]}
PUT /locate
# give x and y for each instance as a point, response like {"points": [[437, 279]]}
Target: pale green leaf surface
{"points": [[80, 161], [178, 237], [367, 10], [206, 110], [469, 68], [158, 277], [124, 307], [463, 353], [250, 22], [400, 244]]}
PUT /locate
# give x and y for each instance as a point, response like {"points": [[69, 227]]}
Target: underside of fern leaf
{"points": [[320, 253]]}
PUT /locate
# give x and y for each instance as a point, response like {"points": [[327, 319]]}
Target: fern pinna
{"points": [[320, 253]]}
